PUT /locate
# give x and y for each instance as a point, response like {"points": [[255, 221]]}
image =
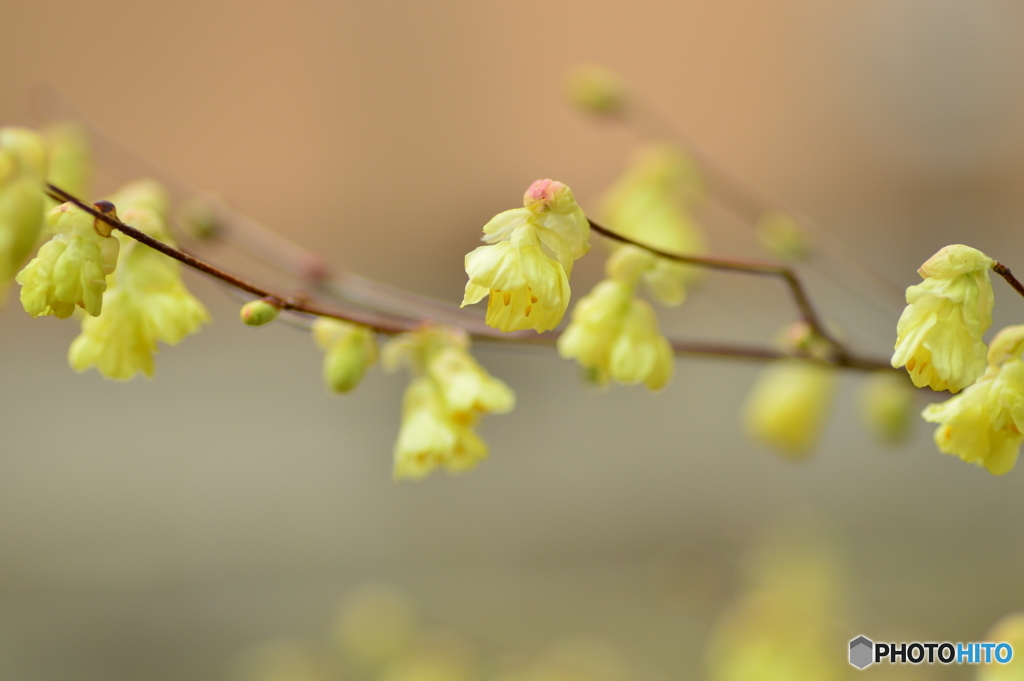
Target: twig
{"points": [[1004, 272], [758, 267]]}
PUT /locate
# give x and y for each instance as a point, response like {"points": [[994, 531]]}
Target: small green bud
{"points": [[783, 236], [596, 89], [260, 312]]}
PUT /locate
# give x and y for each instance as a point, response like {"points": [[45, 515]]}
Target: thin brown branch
{"points": [[758, 267], [393, 325], [1004, 272]]}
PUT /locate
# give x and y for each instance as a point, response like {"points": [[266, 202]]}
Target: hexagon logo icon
{"points": [[861, 652]]}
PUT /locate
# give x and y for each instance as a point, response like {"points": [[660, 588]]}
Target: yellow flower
{"points": [[71, 268], [22, 173], [886, 404], [651, 204], [526, 266], [616, 336], [1010, 629], [70, 161], [788, 406], [147, 302], [349, 350], [939, 333], [432, 437], [443, 403], [983, 425], [596, 89]]}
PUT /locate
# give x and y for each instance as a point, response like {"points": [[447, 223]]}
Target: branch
{"points": [[758, 267], [393, 324], [1004, 272]]}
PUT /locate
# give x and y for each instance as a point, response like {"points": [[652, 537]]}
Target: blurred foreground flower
{"points": [[983, 425], [448, 394], [939, 335], [526, 266], [887, 405], [22, 174], [1010, 629], [788, 406]]}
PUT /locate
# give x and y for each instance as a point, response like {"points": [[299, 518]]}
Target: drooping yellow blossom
{"points": [[939, 334], [652, 204], [70, 159], [22, 175], [1009, 629], [788, 406], [146, 302], [71, 268], [887, 404], [526, 266], [350, 349], [443, 402], [616, 336], [983, 425]]}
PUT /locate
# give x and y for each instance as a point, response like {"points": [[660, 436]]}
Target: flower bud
{"points": [[260, 312], [350, 349], [596, 89], [783, 236]]}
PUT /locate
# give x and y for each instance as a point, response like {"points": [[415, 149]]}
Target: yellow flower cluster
{"points": [[349, 350], [448, 394], [983, 425], [71, 268], [146, 300], [652, 204], [22, 174], [616, 336], [526, 265], [939, 334]]}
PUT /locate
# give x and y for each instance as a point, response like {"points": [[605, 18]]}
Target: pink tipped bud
{"points": [[549, 195]]}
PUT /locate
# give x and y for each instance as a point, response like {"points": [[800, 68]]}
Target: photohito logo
{"points": [[864, 652]]}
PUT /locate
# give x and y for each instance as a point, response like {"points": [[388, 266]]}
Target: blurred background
{"points": [[154, 530]]}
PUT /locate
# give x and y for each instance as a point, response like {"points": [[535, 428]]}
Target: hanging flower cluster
{"points": [[448, 394], [23, 162]]}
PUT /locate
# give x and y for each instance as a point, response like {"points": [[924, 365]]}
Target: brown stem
{"points": [[758, 267], [1004, 272], [393, 325]]}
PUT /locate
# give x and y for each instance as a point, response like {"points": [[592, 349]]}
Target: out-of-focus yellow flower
{"points": [[1010, 629], [983, 425], [432, 437], [148, 302], [443, 403], [652, 204], [783, 236], [526, 266], [375, 623], [70, 159], [71, 268], [939, 333], [22, 173], [886, 405], [595, 89], [616, 335], [349, 350], [788, 406]]}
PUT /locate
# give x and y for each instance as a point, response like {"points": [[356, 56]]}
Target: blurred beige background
{"points": [[151, 530]]}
